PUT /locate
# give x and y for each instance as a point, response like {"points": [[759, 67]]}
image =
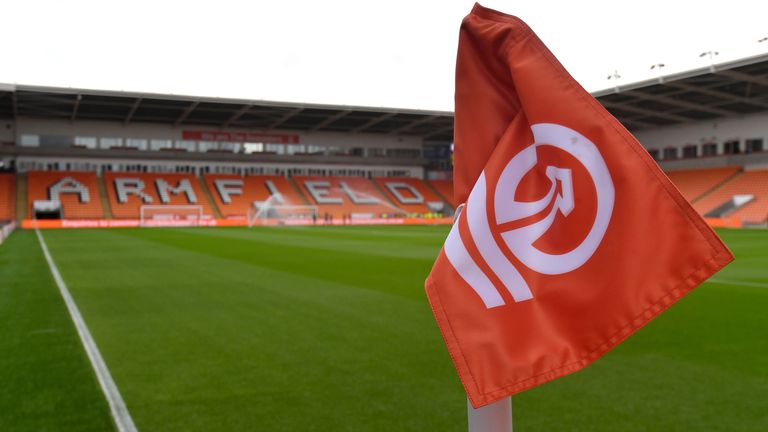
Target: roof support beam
{"points": [[741, 76], [439, 131], [374, 121], [14, 105], [645, 112], [635, 122], [58, 111], [236, 116], [329, 120], [186, 113], [133, 109], [76, 107], [49, 98], [284, 118], [719, 94], [679, 103], [413, 124]]}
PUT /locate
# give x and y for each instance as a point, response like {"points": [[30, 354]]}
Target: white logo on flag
{"points": [[520, 241]]}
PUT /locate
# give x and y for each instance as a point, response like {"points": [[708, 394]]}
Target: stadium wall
{"points": [[7, 132], [749, 162], [112, 129], [717, 131], [178, 164]]}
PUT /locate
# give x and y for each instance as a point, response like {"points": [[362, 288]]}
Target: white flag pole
{"points": [[496, 417]]}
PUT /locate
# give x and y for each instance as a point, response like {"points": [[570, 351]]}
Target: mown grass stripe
{"points": [[117, 407], [738, 283]]}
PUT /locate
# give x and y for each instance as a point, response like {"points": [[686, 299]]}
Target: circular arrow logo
{"points": [[522, 239], [522, 223]]}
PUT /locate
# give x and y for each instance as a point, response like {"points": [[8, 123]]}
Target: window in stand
{"points": [[275, 148], [189, 146], [754, 145], [160, 144], [86, 142], [376, 152], [670, 153], [690, 151], [709, 149], [316, 149], [109, 142], [136, 143], [654, 154], [30, 140], [249, 148], [732, 147], [206, 146], [405, 153], [296, 148], [232, 147]]}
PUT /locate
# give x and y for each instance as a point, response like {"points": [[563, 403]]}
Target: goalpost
{"points": [[274, 211], [170, 215]]}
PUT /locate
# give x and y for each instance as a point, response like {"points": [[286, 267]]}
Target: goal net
{"points": [[170, 215], [275, 211]]}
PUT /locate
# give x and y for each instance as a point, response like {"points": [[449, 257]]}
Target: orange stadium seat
{"points": [[234, 194], [7, 197], [753, 183], [129, 191], [78, 192], [410, 194], [444, 188], [695, 183], [339, 196]]}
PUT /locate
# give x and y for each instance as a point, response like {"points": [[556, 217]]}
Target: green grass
{"points": [[329, 329], [46, 382]]}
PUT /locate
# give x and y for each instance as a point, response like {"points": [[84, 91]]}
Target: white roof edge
{"points": [[746, 61], [236, 101], [598, 93]]}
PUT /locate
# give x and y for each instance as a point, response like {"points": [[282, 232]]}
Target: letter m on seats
{"points": [[164, 190]]}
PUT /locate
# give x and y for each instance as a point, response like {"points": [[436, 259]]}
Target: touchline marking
{"points": [[734, 282], [119, 411]]}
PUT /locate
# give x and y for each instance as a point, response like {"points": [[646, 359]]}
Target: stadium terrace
{"points": [[71, 154], [87, 155]]}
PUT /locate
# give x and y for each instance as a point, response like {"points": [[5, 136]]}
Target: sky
{"points": [[394, 53]]}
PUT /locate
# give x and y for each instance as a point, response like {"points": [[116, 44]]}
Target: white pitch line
{"points": [[741, 283], [119, 411]]}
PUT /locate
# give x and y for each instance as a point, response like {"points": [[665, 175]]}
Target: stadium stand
{"points": [[129, 191], [234, 194], [409, 194], [7, 197], [445, 189], [352, 196], [695, 183], [77, 192], [754, 183]]}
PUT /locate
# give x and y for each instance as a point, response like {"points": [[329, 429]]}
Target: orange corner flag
{"points": [[571, 239]]}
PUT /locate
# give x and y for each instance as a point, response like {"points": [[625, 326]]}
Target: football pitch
{"points": [[328, 329]]}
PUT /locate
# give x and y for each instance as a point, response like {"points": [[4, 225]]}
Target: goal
{"points": [[274, 211], [170, 215]]}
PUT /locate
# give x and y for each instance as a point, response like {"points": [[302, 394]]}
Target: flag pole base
{"points": [[496, 417]]}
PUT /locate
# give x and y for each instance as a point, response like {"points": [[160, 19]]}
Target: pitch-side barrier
{"points": [[135, 223]]}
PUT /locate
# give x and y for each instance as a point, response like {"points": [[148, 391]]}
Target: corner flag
{"points": [[571, 239]]}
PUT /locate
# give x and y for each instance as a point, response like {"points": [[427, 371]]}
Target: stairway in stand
{"points": [[103, 197]]}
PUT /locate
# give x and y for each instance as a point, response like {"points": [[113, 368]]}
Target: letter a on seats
{"points": [[69, 185]]}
